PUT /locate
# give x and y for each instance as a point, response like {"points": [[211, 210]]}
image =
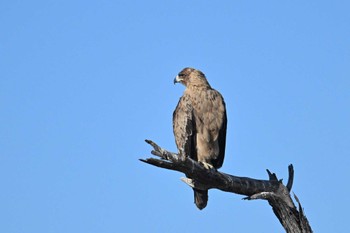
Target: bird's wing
{"points": [[184, 127]]}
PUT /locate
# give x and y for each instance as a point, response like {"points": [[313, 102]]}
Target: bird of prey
{"points": [[199, 124]]}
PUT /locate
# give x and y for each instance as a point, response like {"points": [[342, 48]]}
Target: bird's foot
{"points": [[207, 165]]}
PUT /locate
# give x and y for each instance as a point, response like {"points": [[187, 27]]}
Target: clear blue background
{"points": [[83, 83]]}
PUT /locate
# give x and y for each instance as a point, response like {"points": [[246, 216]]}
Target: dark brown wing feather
{"points": [[184, 127], [222, 142]]}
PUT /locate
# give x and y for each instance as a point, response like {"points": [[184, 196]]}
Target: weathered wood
{"points": [[272, 190]]}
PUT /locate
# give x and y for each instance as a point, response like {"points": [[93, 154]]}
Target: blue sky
{"points": [[83, 83]]}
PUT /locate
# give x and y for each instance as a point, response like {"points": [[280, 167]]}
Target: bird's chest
{"points": [[201, 101], [204, 113]]}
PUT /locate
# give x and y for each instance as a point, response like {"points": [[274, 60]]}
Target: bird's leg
{"points": [[182, 154]]}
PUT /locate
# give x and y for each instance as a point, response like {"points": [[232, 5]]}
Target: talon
{"points": [[207, 165]]}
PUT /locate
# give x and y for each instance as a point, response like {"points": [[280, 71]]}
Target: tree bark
{"points": [[278, 196]]}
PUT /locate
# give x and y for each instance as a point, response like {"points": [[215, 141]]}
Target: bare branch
{"points": [[272, 190], [290, 177]]}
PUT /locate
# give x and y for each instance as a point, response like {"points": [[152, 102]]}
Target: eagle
{"points": [[199, 124]]}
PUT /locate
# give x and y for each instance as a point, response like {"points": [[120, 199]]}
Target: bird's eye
{"points": [[180, 75]]}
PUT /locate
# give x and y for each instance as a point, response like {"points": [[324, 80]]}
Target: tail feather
{"points": [[200, 198]]}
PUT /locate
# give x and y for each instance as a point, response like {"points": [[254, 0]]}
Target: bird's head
{"points": [[191, 77]]}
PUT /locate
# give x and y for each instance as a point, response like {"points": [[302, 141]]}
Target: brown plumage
{"points": [[199, 124]]}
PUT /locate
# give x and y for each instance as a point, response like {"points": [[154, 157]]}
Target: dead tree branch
{"points": [[272, 190]]}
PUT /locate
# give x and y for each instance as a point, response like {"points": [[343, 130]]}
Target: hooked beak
{"points": [[177, 79]]}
